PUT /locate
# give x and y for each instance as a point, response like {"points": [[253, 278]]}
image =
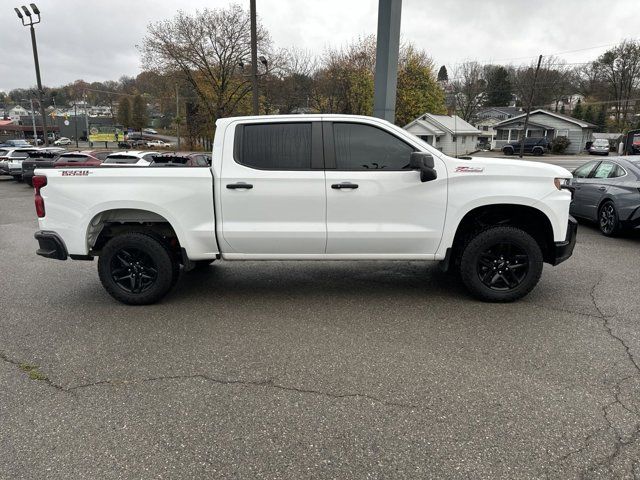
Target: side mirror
{"points": [[424, 162]]}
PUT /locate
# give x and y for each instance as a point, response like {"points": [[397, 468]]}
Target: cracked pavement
{"points": [[317, 370]]}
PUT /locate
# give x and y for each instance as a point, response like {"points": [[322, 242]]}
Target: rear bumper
{"points": [[51, 245], [563, 250]]}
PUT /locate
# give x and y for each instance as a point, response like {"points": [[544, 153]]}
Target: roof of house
{"points": [[511, 111], [567, 118], [441, 124]]}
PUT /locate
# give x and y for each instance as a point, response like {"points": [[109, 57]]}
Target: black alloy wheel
{"points": [[503, 266], [133, 270]]}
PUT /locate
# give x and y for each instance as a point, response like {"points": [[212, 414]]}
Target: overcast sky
{"points": [[95, 40]]}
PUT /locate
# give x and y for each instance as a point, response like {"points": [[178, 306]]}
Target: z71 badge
{"points": [[75, 173], [469, 169]]}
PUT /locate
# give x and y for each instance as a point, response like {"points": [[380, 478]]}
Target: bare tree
{"points": [[619, 68], [207, 49], [469, 87]]}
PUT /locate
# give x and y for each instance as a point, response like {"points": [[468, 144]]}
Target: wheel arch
{"points": [[110, 222], [530, 219]]}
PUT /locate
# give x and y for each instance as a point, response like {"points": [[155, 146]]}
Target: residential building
{"points": [[543, 123], [486, 118], [449, 134]]}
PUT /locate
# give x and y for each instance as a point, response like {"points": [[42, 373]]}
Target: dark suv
{"points": [[535, 146]]}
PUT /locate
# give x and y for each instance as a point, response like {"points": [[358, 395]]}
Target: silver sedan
{"points": [[608, 192]]}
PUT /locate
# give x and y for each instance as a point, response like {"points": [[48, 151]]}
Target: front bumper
{"points": [[563, 250], [51, 245]]}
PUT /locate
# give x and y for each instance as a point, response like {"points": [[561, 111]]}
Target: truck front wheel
{"points": [[137, 269], [501, 264]]}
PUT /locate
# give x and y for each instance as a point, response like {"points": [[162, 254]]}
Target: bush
{"points": [[559, 144]]}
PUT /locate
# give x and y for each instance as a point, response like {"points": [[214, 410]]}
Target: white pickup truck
{"points": [[310, 187]]}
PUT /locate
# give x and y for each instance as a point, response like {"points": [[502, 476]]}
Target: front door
{"points": [[376, 205], [582, 184], [273, 199]]}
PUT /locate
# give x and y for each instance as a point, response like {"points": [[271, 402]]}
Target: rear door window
{"points": [[274, 146]]}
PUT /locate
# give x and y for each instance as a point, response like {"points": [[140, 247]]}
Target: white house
{"points": [[16, 112], [449, 134]]}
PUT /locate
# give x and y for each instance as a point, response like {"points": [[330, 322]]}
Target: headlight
{"points": [[560, 182]]}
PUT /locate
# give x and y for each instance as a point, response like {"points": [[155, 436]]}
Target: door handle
{"points": [[339, 186], [602, 189], [235, 186]]}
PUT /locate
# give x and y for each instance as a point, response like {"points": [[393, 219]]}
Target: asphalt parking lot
{"points": [[317, 370]]}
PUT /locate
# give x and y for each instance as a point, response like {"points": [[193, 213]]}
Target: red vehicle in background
{"points": [[84, 158]]}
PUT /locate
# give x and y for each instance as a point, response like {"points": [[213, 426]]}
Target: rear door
{"points": [[272, 193], [377, 205]]}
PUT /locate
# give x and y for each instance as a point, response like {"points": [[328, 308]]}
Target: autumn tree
{"points": [[418, 90], [207, 49]]}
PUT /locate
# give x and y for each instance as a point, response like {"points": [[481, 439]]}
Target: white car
{"points": [[11, 160], [158, 144], [310, 187], [63, 141], [138, 158], [150, 131]]}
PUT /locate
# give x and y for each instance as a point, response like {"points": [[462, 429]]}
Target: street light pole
{"points": [[30, 22], [33, 119], [254, 56]]}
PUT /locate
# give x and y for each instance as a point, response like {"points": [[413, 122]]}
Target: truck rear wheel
{"points": [[137, 269], [501, 264]]}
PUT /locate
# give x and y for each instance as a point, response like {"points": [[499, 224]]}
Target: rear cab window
{"points": [[274, 146]]}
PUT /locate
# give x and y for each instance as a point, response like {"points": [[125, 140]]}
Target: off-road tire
{"points": [[163, 262], [474, 259]]}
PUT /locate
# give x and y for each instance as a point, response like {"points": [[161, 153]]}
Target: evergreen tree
{"points": [[588, 114], [578, 112], [498, 87], [443, 76], [562, 109], [138, 113], [601, 119], [124, 112]]}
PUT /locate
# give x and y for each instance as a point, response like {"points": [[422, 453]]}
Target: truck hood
{"points": [[507, 167]]}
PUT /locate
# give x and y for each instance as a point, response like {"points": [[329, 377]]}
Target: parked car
{"points": [[150, 131], [63, 141], [14, 143], [158, 144], [131, 144], [188, 159], [11, 161], [298, 187], [37, 159], [608, 192], [130, 157], [533, 145], [600, 146], [83, 158]]}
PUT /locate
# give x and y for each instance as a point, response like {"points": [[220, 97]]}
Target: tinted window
{"points": [[276, 146], [618, 171], [363, 147], [584, 170], [122, 159]]}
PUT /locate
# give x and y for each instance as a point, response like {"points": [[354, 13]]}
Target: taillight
{"points": [[39, 181]]}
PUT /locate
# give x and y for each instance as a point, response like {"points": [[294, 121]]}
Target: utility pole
{"points": [[31, 20], [254, 56], [526, 118], [177, 116], [387, 50]]}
